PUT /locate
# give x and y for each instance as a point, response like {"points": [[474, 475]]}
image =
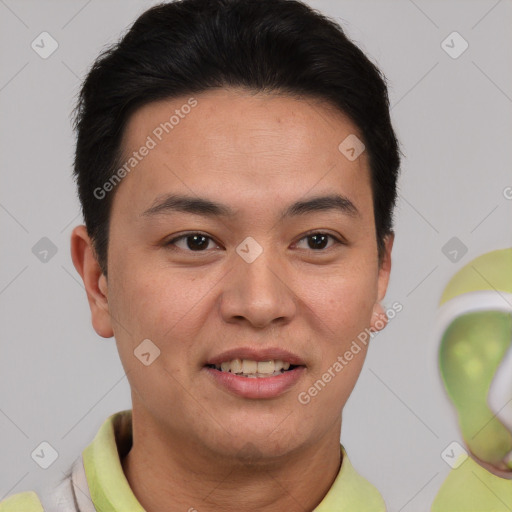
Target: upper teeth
{"points": [[248, 366]]}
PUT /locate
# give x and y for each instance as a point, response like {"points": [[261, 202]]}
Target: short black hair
{"points": [[190, 46]]}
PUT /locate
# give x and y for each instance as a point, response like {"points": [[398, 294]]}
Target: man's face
{"points": [[202, 296]]}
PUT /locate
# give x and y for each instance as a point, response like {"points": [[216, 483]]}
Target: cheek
{"points": [[152, 299], [344, 301], [343, 304], [168, 308], [152, 306]]}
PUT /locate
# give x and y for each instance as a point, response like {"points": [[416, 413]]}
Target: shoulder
{"points": [[24, 501], [60, 498]]}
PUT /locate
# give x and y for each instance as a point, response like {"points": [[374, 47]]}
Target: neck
{"points": [[177, 476]]}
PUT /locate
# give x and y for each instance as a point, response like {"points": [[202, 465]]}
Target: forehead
{"points": [[233, 143]]}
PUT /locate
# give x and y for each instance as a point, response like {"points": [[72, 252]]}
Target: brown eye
{"points": [[318, 241], [193, 242]]}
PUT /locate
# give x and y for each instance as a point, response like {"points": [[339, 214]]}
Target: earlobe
{"points": [[379, 318], [95, 282]]}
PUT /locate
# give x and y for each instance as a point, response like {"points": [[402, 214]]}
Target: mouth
{"points": [[253, 369], [255, 362], [256, 373]]}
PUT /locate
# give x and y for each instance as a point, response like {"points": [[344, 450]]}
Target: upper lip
{"points": [[257, 354]]}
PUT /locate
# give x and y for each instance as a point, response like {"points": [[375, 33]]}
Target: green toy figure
{"points": [[475, 361]]}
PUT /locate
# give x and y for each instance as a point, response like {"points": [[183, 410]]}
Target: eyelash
{"points": [[169, 244]]}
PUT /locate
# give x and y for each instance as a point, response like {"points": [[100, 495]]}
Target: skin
{"points": [[195, 444]]}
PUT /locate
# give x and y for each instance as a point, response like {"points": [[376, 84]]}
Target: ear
{"points": [[379, 317], [95, 282]]}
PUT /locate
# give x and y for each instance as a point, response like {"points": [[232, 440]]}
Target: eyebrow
{"points": [[201, 206]]}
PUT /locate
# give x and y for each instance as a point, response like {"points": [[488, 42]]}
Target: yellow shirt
{"points": [[471, 488], [102, 476]]}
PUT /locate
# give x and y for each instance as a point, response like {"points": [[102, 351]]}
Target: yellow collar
{"points": [[110, 491]]}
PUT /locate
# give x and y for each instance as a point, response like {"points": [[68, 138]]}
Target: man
{"points": [[237, 169]]}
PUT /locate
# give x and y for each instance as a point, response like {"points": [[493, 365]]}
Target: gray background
{"points": [[59, 380]]}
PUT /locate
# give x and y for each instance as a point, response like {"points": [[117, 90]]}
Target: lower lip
{"points": [[260, 387]]}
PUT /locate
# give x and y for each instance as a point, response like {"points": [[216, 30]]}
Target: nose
{"points": [[260, 292]]}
